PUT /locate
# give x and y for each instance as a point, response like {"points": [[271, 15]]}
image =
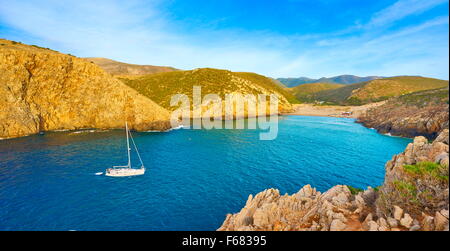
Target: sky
{"points": [[277, 38]]}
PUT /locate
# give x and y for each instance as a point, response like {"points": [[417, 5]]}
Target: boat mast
{"points": [[137, 151], [128, 145]]}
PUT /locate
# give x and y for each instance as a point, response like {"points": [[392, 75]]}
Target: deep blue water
{"points": [[194, 177]]}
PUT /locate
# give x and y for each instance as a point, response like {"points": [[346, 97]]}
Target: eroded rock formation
{"points": [[42, 90]]}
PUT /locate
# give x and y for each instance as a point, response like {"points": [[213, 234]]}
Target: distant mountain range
{"points": [[342, 79]]}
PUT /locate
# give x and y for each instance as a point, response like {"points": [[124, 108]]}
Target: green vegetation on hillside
{"points": [[306, 92], [354, 190], [422, 98], [383, 89], [379, 90], [339, 95], [418, 188], [428, 168], [160, 87], [268, 84]]}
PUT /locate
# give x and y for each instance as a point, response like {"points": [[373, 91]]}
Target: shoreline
{"points": [[318, 115], [332, 110]]}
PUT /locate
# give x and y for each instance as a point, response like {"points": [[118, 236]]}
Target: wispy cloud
{"points": [[402, 9], [140, 32]]}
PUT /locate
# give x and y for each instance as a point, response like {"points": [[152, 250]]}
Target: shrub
{"points": [[354, 190], [407, 190], [429, 169], [422, 188]]}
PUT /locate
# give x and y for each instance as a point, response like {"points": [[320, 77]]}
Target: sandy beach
{"points": [[331, 111]]}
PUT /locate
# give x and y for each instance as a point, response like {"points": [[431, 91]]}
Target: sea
{"points": [[193, 178]]}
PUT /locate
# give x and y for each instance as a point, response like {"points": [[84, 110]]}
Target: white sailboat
{"points": [[125, 171]]}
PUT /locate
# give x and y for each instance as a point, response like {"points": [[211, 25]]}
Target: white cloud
{"points": [[417, 50], [402, 9], [137, 32]]}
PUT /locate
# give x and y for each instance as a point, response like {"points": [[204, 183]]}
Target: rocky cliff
{"points": [[43, 90], [422, 113], [414, 197]]}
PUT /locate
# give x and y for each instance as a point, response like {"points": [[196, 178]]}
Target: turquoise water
{"points": [[194, 177]]}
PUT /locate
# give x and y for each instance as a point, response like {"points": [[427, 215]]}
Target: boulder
{"points": [[443, 136], [440, 221], [419, 141], [306, 191], [373, 226], [383, 224], [398, 213], [427, 223], [393, 223], [340, 199], [337, 225], [406, 221]]}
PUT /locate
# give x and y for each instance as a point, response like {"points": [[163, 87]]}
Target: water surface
{"points": [[194, 177]]}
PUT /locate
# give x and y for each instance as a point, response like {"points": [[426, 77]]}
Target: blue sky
{"points": [[278, 38]]}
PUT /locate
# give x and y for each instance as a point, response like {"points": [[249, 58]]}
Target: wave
{"points": [[88, 131], [171, 129]]}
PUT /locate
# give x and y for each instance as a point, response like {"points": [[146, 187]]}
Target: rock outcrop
{"points": [[43, 90], [417, 179], [388, 208], [306, 210], [417, 114]]}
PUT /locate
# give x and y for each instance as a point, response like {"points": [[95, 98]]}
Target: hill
{"points": [[342, 79], [161, 87], [379, 90], [44, 90], [423, 113], [292, 82], [123, 69], [306, 92]]}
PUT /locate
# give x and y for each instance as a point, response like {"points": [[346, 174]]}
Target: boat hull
{"points": [[124, 172]]}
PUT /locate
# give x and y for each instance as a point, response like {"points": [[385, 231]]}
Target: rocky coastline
{"points": [[414, 197], [44, 90], [418, 114]]}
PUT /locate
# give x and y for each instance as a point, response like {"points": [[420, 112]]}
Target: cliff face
{"points": [[42, 90], [414, 197], [423, 113]]}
